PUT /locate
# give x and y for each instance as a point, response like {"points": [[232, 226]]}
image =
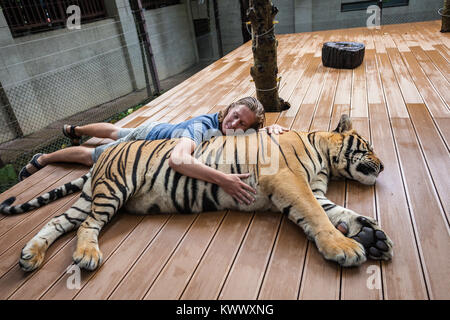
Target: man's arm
{"points": [[182, 161]]}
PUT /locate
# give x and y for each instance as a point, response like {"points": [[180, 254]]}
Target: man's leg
{"points": [[98, 130], [79, 154]]}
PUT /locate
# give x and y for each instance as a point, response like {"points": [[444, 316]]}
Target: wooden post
{"points": [[445, 13], [141, 26], [264, 46]]}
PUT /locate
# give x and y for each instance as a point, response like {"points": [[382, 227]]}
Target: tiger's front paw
{"points": [[32, 255], [88, 257], [336, 247], [366, 231]]}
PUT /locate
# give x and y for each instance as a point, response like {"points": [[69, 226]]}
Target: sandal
{"points": [[74, 138], [24, 173]]}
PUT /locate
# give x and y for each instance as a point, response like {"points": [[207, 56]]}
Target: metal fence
{"points": [[26, 16], [94, 74], [154, 4]]}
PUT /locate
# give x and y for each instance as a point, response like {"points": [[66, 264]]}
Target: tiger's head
{"points": [[351, 156]]}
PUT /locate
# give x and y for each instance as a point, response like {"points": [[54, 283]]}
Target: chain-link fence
{"points": [[51, 78]]}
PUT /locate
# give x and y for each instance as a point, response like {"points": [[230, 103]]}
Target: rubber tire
{"points": [[342, 55]]}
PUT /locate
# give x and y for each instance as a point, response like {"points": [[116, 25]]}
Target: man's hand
{"points": [[239, 190], [275, 128], [182, 161]]}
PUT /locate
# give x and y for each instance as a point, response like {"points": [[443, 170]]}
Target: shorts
{"points": [[126, 134]]}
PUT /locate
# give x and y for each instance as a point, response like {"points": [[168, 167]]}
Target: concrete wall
{"points": [[52, 75], [172, 38], [313, 15], [230, 24], [326, 14]]}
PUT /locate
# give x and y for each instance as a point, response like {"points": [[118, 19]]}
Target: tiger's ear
{"points": [[345, 124]]}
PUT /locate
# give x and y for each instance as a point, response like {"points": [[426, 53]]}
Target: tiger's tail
{"points": [[55, 194]]}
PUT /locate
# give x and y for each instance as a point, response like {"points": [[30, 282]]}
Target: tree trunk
{"points": [[244, 7], [264, 46], [446, 17]]}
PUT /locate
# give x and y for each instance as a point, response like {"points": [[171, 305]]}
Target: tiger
{"points": [[290, 173]]}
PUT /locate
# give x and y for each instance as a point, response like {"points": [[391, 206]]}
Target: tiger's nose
{"points": [[381, 166]]}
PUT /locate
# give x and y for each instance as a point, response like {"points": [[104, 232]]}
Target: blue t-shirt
{"points": [[197, 129]]}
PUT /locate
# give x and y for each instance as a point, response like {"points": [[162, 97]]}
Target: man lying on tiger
{"points": [[241, 115], [289, 172]]}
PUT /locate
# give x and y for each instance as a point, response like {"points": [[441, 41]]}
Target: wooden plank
{"points": [[173, 279], [324, 109], [393, 94], [434, 149], [407, 87], [211, 273], [443, 50], [141, 276], [422, 40], [431, 229], [440, 84], [100, 283], [300, 90], [284, 272], [400, 280], [246, 275], [304, 117], [440, 63], [359, 93], [444, 127]]}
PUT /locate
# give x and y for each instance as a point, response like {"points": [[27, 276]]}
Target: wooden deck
{"points": [[399, 98]]}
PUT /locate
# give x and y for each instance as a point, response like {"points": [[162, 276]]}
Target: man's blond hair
{"points": [[253, 104]]}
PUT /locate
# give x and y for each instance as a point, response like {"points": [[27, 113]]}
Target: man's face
{"points": [[238, 118]]}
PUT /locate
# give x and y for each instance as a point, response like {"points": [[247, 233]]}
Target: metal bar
{"points": [[26, 13], [136, 6], [15, 12], [88, 6], [61, 9], [218, 30], [32, 8]]}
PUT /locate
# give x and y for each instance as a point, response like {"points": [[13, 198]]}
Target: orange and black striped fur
{"points": [[290, 173]]}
